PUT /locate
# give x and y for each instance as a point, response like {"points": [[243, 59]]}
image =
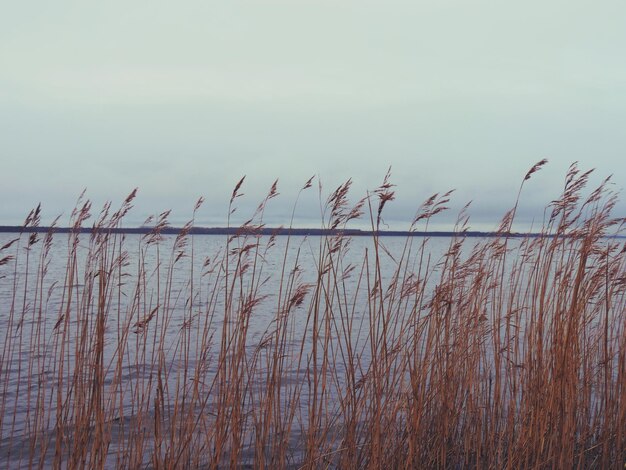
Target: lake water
{"points": [[169, 307], [145, 278]]}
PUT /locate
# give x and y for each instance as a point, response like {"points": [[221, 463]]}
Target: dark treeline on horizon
{"points": [[278, 231]]}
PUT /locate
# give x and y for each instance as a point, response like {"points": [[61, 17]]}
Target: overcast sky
{"points": [[183, 98]]}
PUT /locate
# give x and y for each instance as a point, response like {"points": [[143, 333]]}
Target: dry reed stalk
{"points": [[509, 353]]}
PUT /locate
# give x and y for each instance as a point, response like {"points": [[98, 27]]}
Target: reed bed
{"points": [[502, 353]]}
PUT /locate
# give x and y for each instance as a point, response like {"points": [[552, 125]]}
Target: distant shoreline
{"points": [[278, 231]]}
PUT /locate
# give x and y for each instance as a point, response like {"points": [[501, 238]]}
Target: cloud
{"points": [[183, 100]]}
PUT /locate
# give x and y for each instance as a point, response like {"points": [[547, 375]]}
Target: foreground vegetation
{"points": [[506, 354]]}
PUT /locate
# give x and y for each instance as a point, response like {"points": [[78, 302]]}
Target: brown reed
{"points": [[510, 353]]}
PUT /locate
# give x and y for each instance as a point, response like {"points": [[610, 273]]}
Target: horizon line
{"points": [[275, 231]]}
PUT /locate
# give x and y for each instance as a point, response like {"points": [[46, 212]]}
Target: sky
{"points": [[182, 99]]}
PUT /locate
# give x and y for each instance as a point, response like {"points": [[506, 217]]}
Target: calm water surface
{"points": [[32, 304]]}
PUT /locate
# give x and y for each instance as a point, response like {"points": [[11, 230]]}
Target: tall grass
{"points": [[508, 353]]}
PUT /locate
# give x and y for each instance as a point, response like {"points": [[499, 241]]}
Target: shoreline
{"points": [[277, 231]]}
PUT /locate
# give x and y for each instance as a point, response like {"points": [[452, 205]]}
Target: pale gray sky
{"points": [[183, 98]]}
